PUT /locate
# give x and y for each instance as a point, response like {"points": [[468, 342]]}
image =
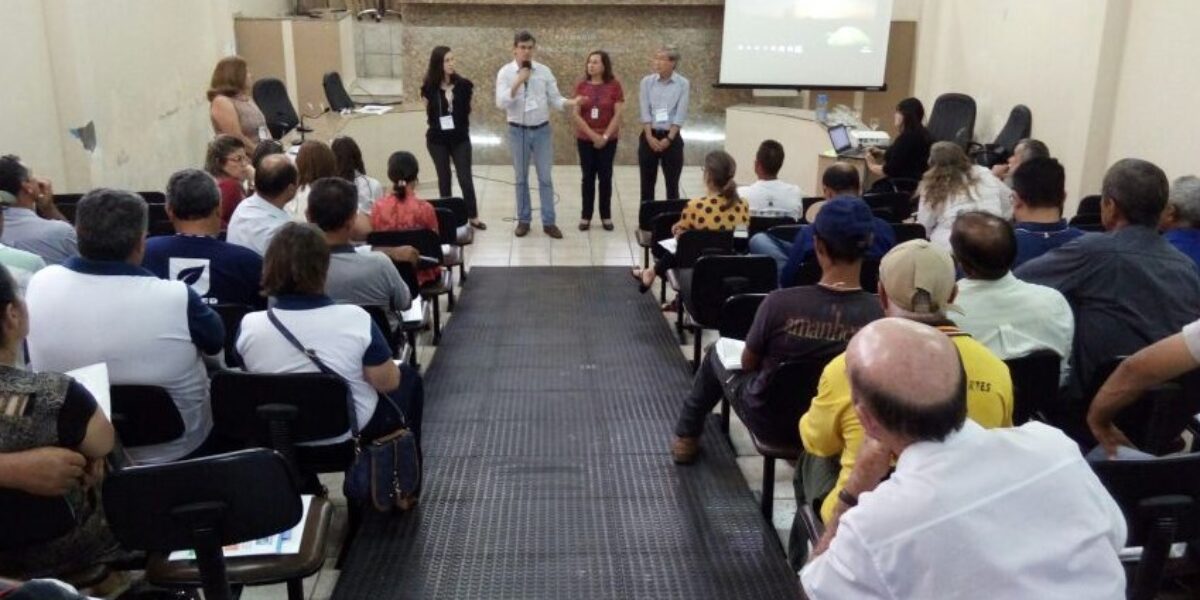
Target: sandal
{"points": [[477, 224], [672, 306], [637, 275]]}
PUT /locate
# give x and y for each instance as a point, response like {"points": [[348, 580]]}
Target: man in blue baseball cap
{"points": [[808, 322]]}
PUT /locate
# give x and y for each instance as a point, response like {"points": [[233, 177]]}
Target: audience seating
{"points": [[429, 245], [1160, 498], [953, 119], [144, 415], [737, 315], [1155, 422], [1035, 380], [646, 214], [1089, 205], [335, 92], [806, 203], [691, 246], [1018, 127], [660, 229], [403, 348], [231, 316], [786, 233], [908, 231], [712, 281], [893, 207], [271, 97], [464, 233], [158, 222], [788, 396], [761, 224], [452, 253], [809, 273], [207, 503]]}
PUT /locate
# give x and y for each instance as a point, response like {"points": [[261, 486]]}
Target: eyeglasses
{"points": [[238, 158]]}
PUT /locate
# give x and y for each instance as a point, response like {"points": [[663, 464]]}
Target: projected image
{"points": [[805, 42]]}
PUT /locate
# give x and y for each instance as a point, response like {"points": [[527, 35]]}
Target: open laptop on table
{"points": [[843, 144]]}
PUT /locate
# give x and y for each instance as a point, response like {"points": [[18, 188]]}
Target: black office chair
{"points": [[1018, 127], [893, 207], [204, 504], [231, 317], [908, 231], [737, 315], [335, 92], [809, 273], [464, 233], [144, 415], [453, 255], [806, 203], [1035, 379], [429, 245], [1089, 205], [647, 212], [788, 395], [271, 97], [953, 119], [1161, 501], [690, 246], [714, 279]]}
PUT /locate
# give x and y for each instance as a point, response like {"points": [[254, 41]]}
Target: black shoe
{"points": [[477, 224], [585, 225], [522, 229], [637, 276], [552, 231], [608, 225]]}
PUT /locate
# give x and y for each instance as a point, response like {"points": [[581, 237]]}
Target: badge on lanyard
{"points": [[661, 115], [447, 122], [531, 103], [595, 113]]}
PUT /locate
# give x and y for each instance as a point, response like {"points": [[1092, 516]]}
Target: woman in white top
{"points": [[350, 167], [952, 186], [314, 161], [343, 335]]}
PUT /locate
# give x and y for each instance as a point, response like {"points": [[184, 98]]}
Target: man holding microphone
{"points": [[526, 90], [664, 98]]}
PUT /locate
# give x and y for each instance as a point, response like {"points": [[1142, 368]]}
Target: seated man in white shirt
{"points": [[965, 515], [257, 218], [1011, 317], [770, 197], [102, 307]]}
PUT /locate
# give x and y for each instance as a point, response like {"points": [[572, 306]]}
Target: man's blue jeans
{"points": [[536, 144], [769, 245]]}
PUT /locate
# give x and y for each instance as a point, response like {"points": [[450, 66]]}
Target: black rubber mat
{"points": [[549, 410]]}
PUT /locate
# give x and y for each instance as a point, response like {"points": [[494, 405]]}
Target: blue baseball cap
{"points": [[848, 219]]}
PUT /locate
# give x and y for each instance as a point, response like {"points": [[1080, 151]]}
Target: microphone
{"points": [[525, 64]]}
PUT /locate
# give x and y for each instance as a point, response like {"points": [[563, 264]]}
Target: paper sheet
{"points": [[94, 378], [373, 109], [729, 351], [287, 542], [669, 244], [415, 313]]}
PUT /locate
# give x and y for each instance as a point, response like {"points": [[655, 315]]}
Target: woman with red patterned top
{"points": [[402, 209], [597, 121], [226, 161]]}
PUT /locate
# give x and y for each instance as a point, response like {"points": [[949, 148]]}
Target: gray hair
{"points": [[672, 53], [1139, 189], [110, 224], [1185, 197], [192, 194], [1031, 148]]}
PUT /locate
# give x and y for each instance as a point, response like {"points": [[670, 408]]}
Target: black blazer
{"points": [[436, 107]]}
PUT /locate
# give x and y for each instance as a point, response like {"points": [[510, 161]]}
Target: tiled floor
{"points": [[498, 247]]}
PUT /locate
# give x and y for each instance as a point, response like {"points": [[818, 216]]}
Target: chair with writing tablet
{"points": [[715, 279], [429, 244], [689, 247], [204, 504], [647, 212], [737, 315]]}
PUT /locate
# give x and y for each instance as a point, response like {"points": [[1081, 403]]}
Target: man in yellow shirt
{"points": [[916, 281]]}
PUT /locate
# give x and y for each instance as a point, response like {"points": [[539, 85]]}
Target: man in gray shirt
{"points": [[664, 96], [1128, 287], [363, 278], [31, 220]]}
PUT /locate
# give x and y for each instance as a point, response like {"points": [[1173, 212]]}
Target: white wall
{"points": [[137, 69], [1157, 116], [261, 8]]}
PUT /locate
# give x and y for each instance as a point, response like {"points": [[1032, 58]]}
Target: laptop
{"points": [[843, 144]]}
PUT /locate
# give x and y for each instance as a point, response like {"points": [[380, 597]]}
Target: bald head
{"points": [[840, 179], [984, 244], [909, 378], [276, 177]]}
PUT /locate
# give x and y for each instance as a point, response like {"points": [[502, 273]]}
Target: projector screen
{"points": [[805, 43]]}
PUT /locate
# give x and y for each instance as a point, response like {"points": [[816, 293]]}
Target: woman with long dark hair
{"points": [[597, 122], [350, 167], [402, 209], [908, 156], [447, 98]]}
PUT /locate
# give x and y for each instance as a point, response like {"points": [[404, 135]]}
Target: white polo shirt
{"points": [[343, 335], [254, 223], [772, 198], [1015, 318], [146, 329], [1002, 513]]}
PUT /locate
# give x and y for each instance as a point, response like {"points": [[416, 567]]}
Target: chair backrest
{"points": [[717, 278], [158, 222], [953, 119], [908, 231], [893, 207], [737, 315], [319, 401], [806, 203], [660, 226], [1017, 128], [246, 495], [696, 243], [447, 225], [335, 92], [27, 519], [761, 224], [271, 97], [231, 317], [789, 393], [1035, 380], [427, 243], [144, 415], [809, 273], [648, 210], [1089, 205], [786, 233], [454, 204], [1156, 420]]}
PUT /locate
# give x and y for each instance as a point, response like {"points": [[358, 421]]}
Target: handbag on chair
{"points": [[385, 471]]}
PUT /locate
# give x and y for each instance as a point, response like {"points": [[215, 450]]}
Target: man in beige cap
{"points": [[916, 282]]}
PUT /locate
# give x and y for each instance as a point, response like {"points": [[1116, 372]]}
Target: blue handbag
{"points": [[385, 471]]}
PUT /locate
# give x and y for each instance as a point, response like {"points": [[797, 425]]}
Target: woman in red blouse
{"points": [[226, 161], [597, 121], [402, 209]]}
